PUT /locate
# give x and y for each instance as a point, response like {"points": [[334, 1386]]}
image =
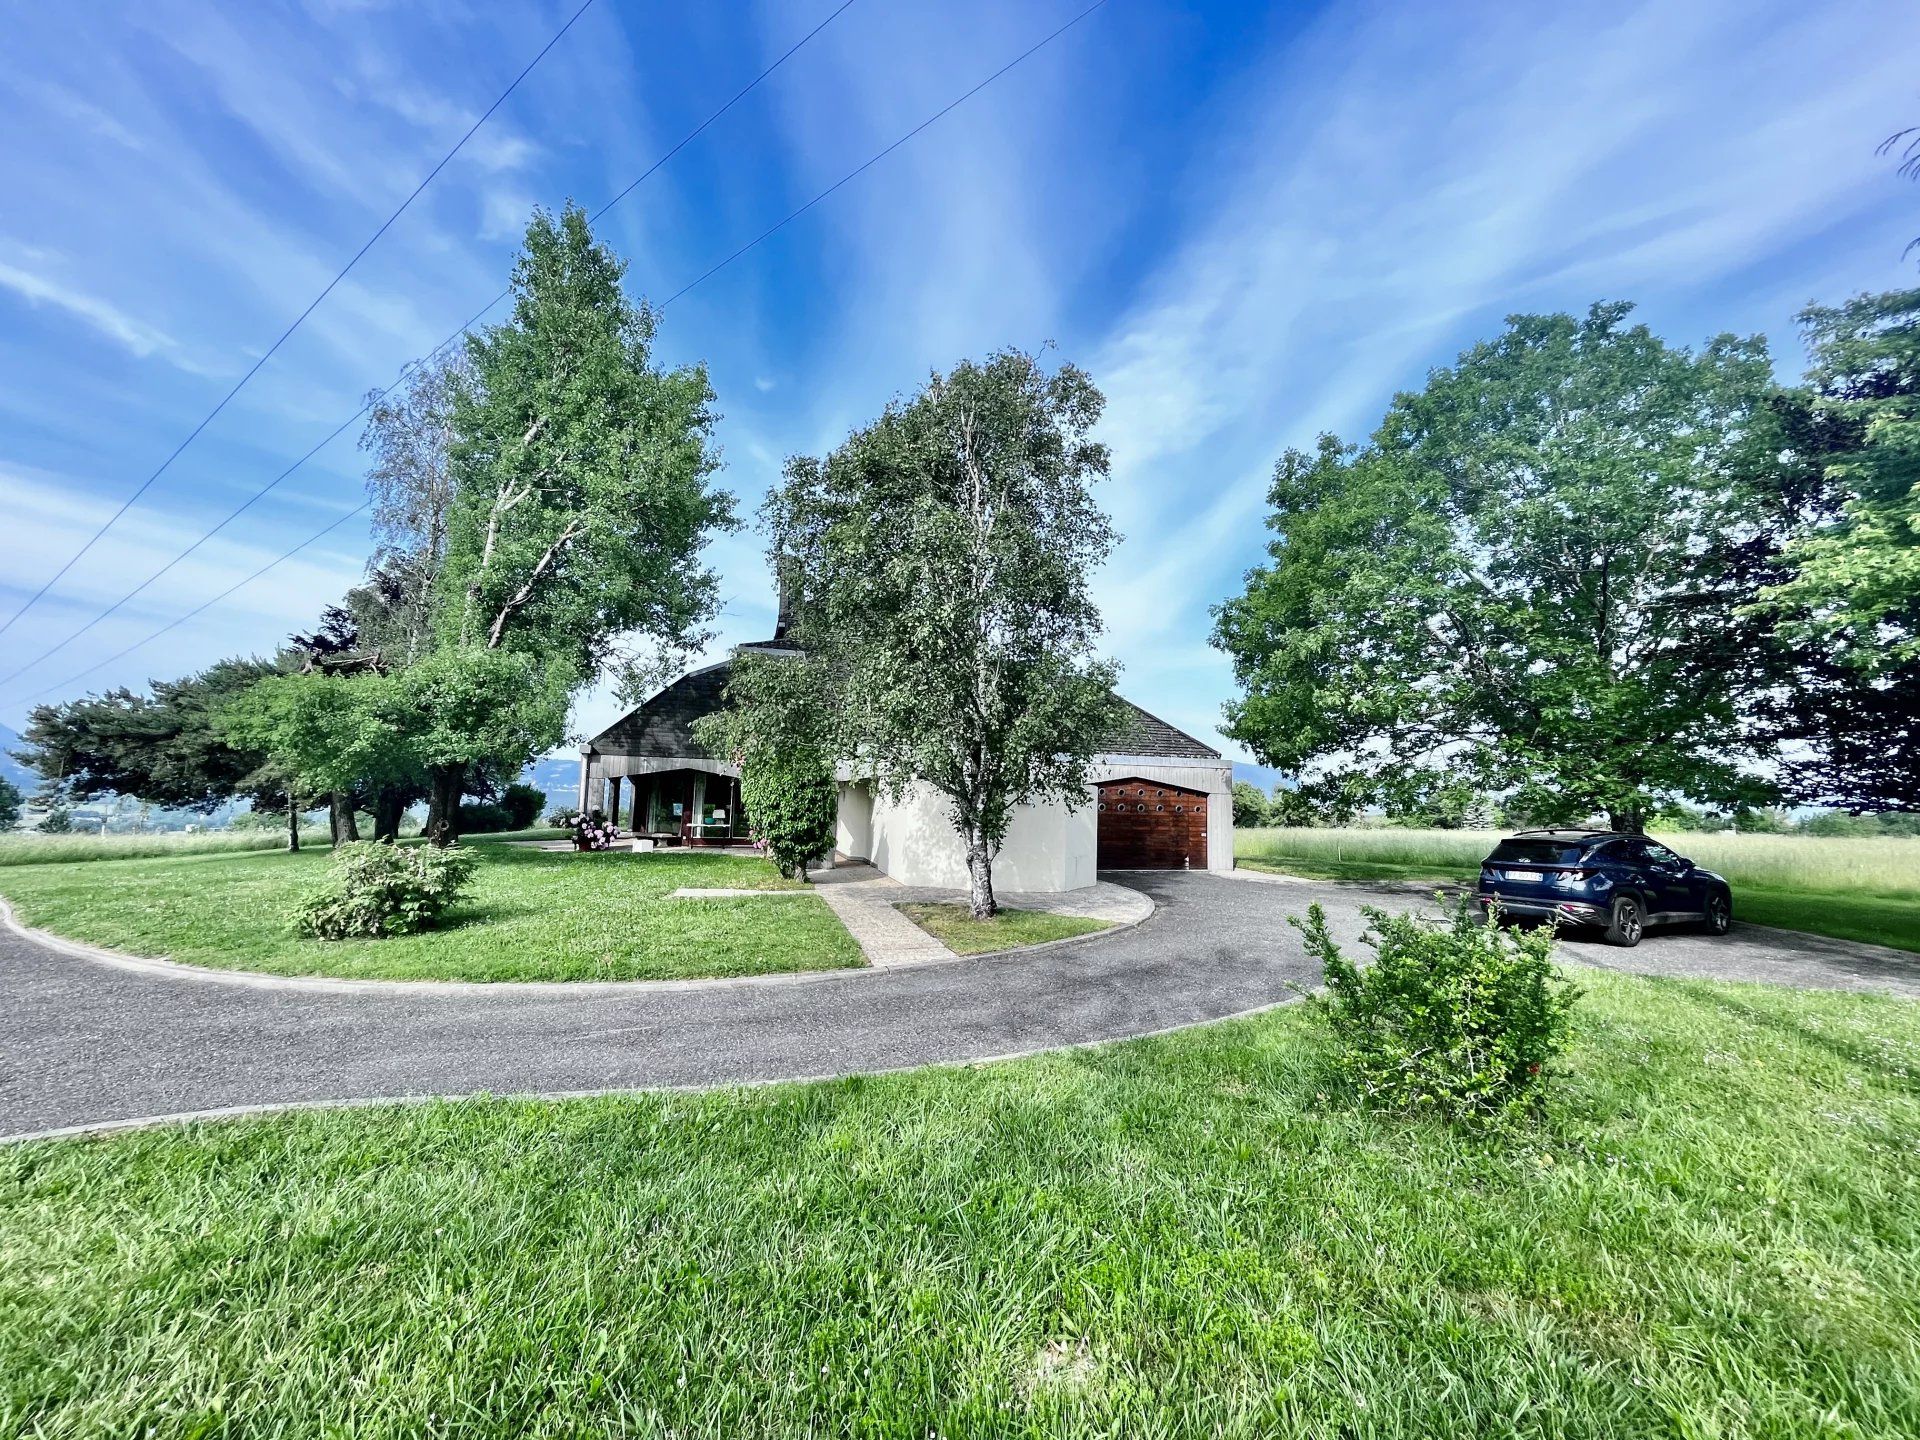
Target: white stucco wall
{"points": [[1047, 847], [913, 840], [853, 823]]}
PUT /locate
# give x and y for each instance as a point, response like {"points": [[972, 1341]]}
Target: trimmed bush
{"points": [[516, 809], [791, 803], [522, 804], [1458, 1018], [374, 889], [483, 817]]}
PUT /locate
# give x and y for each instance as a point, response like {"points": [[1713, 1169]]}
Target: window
{"points": [[1538, 852]]}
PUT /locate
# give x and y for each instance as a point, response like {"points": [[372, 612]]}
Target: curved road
{"points": [[84, 1043]]}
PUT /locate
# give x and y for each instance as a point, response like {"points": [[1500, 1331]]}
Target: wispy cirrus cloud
{"points": [[1249, 223], [1396, 182], [101, 316]]}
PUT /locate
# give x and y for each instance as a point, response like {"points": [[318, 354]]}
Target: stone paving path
{"points": [[868, 902]]}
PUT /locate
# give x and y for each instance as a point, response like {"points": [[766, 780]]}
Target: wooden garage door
{"points": [[1149, 826]]}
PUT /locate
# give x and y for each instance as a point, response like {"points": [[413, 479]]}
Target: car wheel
{"points": [[1719, 914], [1627, 922]]}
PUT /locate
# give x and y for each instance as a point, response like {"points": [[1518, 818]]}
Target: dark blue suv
{"points": [[1623, 883]]}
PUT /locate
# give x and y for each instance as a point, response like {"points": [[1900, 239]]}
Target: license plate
{"points": [[1531, 876]]}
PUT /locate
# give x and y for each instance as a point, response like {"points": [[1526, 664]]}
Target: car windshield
{"points": [[1538, 852]]}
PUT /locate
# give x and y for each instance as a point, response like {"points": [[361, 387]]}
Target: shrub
{"points": [[522, 805], [483, 817], [1249, 804], [516, 809], [791, 802], [592, 831], [1458, 1018], [373, 889]]}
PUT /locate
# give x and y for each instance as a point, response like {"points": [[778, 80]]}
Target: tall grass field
{"points": [[1879, 866], [31, 848], [1847, 888]]}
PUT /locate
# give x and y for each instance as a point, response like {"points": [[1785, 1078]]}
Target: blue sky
{"points": [[1251, 223]]}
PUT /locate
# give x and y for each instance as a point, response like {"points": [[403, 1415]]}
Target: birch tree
{"points": [[409, 436], [582, 500], [582, 472], [943, 553]]}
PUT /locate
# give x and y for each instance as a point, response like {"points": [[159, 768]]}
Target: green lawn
{"points": [[532, 915], [1878, 919], [1007, 930], [1846, 914], [1717, 1233]]}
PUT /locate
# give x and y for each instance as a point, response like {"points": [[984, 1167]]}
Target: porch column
{"points": [[586, 778], [613, 799]]}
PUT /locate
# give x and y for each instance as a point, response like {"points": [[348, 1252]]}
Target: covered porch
{"points": [[671, 802]]}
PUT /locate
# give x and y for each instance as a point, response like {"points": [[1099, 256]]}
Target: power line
{"points": [[374, 398], [701, 279], [206, 605], [299, 319], [858, 170]]}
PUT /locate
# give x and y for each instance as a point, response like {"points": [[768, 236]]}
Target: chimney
{"points": [[787, 577]]}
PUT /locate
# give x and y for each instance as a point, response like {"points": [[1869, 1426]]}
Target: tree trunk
{"points": [[443, 805], [386, 814], [340, 819], [980, 901], [293, 822], [1628, 822]]}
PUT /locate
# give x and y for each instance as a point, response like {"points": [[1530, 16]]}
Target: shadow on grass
{"points": [[1883, 1069]]}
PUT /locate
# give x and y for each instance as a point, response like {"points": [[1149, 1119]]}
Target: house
{"points": [[1158, 799]]}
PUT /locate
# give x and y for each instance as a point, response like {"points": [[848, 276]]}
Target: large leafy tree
{"points": [[581, 501], [1531, 580], [1849, 595], [161, 746], [464, 709], [943, 553], [582, 475], [327, 734]]}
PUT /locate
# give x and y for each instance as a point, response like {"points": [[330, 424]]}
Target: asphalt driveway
{"points": [[84, 1043]]}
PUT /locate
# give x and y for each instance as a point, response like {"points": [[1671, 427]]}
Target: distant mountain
{"points": [[11, 769], [557, 777], [1265, 776]]}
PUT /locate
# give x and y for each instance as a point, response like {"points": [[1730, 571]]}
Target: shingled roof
{"points": [[662, 729], [1139, 733]]}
